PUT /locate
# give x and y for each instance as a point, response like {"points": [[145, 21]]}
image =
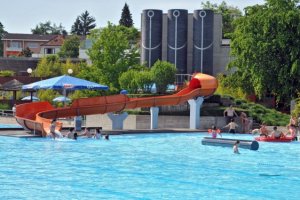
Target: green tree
{"points": [[112, 53], [75, 67], [48, 66], [70, 47], [265, 45], [127, 81], [229, 14], [163, 74], [83, 24], [144, 80], [51, 66], [47, 95], [138, 78], [126, 18], [48, 29], [2, 32], [26, 52]]}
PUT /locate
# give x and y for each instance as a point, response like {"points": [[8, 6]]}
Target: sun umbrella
{"points": [[124, 92], [61, 99], [28, 98], [64, 82]]}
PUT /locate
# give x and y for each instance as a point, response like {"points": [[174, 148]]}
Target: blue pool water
{"points": [[9, 126], [160, 166]]}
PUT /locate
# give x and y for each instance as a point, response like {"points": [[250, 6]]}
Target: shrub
{"points": [[7, 73], [4, 106]]}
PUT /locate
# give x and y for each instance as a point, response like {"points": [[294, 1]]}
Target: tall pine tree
{"points": [[83, 24], [126, 18]]}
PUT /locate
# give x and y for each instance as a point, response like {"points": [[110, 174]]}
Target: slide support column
{"points": [[195, 105], [154, 117], [117, 120]]}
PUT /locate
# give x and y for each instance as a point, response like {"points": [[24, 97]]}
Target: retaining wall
{"points": [[164, 122]]}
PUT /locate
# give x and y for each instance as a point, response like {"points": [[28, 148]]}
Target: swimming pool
{"points": [[158, 166], [4, 126]]}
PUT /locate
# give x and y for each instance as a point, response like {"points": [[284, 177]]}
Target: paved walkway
{"points": [[8, 120], [22, 133]]}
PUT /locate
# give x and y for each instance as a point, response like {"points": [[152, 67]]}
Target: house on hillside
{"points": [[51, 47], [40, 45], [14, 43]]}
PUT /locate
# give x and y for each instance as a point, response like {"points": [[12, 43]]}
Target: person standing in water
{"points": [[214, 132], [232, 126], [236, 147], [52, 128], [98, 134]]}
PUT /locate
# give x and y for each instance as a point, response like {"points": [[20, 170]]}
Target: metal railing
{"points": [[180, 79], [6, 113]]}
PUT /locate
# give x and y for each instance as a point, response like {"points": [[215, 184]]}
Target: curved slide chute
{"points": [[37, 116]]}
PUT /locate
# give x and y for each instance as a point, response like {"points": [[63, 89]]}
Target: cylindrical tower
{"points": [[203, 24], [177, 39], [151, 36]]}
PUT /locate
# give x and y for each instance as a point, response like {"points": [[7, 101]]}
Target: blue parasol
{"points": [[64, 82], [61, 99], [28, 98]]}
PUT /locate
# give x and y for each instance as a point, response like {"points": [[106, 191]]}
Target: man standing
{"points": [[229, 113]]}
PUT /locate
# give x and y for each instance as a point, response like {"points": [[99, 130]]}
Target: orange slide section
{"points": [[37, 116]]}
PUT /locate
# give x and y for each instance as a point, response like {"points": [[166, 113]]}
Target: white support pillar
{"points": [[117, 120], [195, 105], [154, 117]]}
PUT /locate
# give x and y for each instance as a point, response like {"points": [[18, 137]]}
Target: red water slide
{"points": [[37, 116]]}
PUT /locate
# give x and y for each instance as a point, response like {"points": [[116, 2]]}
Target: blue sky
{"points": [[20, 16]]}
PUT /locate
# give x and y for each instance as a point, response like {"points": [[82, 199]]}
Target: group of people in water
{"points": [[230, 114], [72, 134], [263, 131], [275, 133]]}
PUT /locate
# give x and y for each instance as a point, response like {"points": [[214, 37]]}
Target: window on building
{"points": [[49, 51], [14, 44], [33, 45]]}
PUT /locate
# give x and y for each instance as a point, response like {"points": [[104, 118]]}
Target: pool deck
{"points": [[19, 132], [22, 133]]}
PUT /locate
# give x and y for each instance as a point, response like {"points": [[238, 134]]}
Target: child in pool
{"points": [[236, 147], [215, 132]]}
